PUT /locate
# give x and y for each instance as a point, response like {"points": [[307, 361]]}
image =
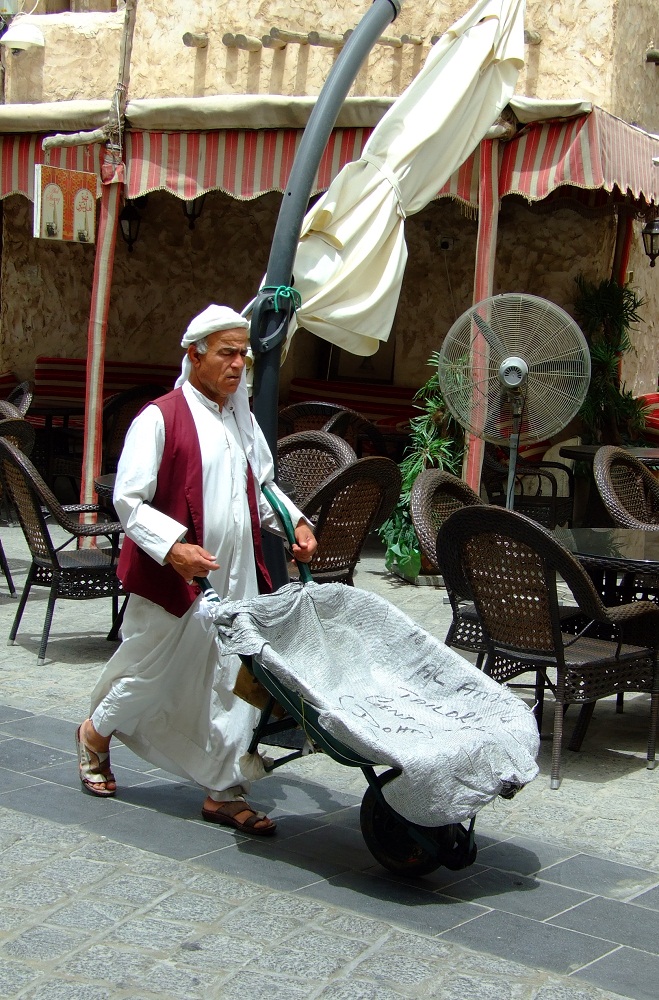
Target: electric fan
{"points": [[513, 368]]}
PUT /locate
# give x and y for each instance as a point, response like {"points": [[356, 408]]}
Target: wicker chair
{"points": [[9, 411], [118, 413], [306, 459], [345, 509], [628, 489], [307, 416], [508, 565], [630, 494], [359, 432], [537, 490], [21, 435], [79, 574], [434, 497], [21, 396]]}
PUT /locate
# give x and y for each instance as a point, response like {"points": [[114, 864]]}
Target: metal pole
{"points": [[269, 325]]}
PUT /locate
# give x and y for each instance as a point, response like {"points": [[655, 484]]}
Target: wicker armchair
{"points": [[78, 574], [306, 459], [628, 489], [537, 488], [21, 435], [118, 413], [21, 396], [359, 432], [307, 416], [8, 411], [508, 564], [434, 497], [345, 509]]}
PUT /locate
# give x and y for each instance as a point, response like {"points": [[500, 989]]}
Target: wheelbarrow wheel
{"points": [[388, 838]]}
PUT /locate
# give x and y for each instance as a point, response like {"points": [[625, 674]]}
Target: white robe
{"points": [[166, 693]]}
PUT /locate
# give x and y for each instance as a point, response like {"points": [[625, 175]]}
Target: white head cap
{"points": [[211, 320]]}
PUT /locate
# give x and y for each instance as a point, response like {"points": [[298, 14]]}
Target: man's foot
{"points": [[94, 761], [239, 815]]}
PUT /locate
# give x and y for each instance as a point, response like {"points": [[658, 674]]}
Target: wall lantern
{"points": [[20, 36], [130, 218], [650, 236], [192, 209]]}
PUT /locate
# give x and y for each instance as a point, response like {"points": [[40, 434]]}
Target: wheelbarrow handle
{"points": [[287, 524]]}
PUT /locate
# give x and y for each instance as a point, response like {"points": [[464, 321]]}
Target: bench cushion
{"points": [[61, 381], [387, 406]]}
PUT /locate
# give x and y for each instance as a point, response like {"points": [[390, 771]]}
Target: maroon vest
{"points": [[179, 494]]}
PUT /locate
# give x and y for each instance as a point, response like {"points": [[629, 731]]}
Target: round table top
{"points": [[104, 485], [587, 452], [627, 549]]}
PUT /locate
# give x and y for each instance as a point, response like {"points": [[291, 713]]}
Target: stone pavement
{"points": [[136, 897]]}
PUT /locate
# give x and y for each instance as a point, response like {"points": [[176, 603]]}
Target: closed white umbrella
{"points": [[352, 253]]}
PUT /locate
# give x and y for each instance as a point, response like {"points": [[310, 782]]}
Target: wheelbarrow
{"points": [[397, 843]]}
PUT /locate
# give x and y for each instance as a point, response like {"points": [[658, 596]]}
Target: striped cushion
{"points": [[8, 380], [388, 406], [61, 381], [651, 434]]}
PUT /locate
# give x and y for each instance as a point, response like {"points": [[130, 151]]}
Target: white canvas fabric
{"points": [[391, 692], [352, 253]]}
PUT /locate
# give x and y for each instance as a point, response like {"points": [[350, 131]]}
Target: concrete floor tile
{"points": [[521, 854], [403, 905], [600, 877], [528, 897], [62, 805], [529, 942], [44, 731], [23, 755], [627, 972], [270, 865], [169, 835], [10, 780], [623, 923]]}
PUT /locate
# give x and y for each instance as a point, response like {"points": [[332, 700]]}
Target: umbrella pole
{"points": [[271, 313]]}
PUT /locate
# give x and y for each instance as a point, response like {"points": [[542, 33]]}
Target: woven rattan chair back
{"points": [[306, 459], [509, 565], [360, 433], [21, 435], [78, 574], [345, 509], [435, 496], [628, 489], [21, 396], [311, 415], [9, 411], [118, 414]]}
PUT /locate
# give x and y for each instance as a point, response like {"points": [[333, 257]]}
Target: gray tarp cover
{"points": [[389, 691]]}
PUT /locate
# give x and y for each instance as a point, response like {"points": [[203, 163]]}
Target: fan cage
{"points": [[506, 327]]}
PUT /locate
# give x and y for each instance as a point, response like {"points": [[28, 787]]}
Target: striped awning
{"points": [[244, 164], [592, 152]]}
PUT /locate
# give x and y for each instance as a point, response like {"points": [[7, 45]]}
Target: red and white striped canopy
{"points": [[595, 151]]}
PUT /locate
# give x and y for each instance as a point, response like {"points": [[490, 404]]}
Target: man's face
{"points": [[217, 373]]}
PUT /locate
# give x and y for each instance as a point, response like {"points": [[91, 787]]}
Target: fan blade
{"points": [[489, 335]]}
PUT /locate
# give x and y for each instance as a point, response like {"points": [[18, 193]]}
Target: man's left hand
{"points": [[306, 543]]}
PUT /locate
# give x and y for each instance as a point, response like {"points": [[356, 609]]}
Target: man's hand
{"points": [[306, 545], [190, 560]]}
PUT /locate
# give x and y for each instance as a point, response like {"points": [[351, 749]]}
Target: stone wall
{"points": [[588, 49], [174, 272]]}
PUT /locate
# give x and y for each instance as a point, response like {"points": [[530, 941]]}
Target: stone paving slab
{"points": [[137, 898]]}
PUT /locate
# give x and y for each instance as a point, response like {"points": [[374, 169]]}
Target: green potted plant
{"points": [[606, 312], [436, 441]]}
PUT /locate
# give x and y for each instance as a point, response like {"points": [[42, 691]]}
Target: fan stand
{"points": [[517, 401]]}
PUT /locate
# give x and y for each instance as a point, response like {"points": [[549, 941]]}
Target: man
{"points": [[188, 495]]}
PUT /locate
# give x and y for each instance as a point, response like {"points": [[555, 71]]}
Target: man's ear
{"points": [[193, 354]]}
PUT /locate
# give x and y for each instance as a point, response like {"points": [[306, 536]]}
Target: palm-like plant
{"points": [[436, 441], [606, 312]]}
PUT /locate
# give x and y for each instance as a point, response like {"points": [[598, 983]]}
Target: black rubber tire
{"points": [[388, 839]]}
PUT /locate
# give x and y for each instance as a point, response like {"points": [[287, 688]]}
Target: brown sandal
{"points": [[94, 769], [226, 817]]}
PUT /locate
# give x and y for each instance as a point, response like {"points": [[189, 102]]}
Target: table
{"points": [[611, 551], [50, 412], [587, 452], [104, 486]]}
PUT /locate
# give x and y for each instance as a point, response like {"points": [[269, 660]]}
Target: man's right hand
{"points": [[190, 560]]}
